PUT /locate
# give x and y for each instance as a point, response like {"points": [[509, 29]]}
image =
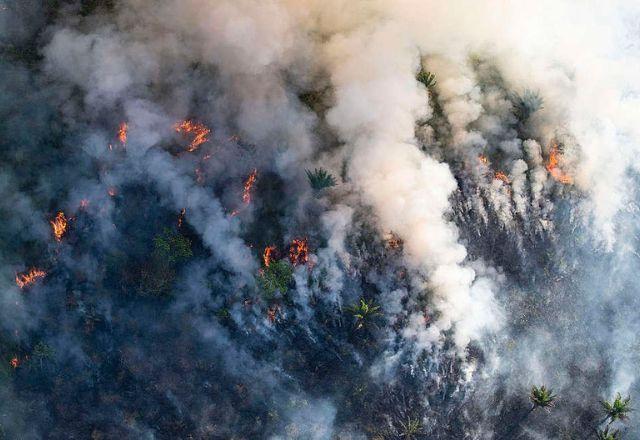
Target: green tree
{"points": [[605, 434], [364, 312], [427, 78], [275, 278], [320, 179], [541, 397], [42, 352], [618, 409]]}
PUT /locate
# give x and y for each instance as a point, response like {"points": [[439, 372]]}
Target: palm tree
{"points": [[427, 78], [364, 312], [618, 409], [605, 434], [542, 397], [320, 179]]}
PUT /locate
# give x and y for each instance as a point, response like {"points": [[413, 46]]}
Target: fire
{"points": [[393, 241], [59, 225], [27, 279], [183, 211], [268, 255], [299, 251], [483, 159], [248, 184], [199, 131], [554, 169], [122, 133], [112, 191], [14, 362], [502, 176]]}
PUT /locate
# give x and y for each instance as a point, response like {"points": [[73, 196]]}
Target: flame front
{"points": [[499, 175], [59, 225], [248, 185], [299, 251], [27, 279], [553, 166], [483, 159], [14, 362], [268, 255], [122, 133], [200, 132]]}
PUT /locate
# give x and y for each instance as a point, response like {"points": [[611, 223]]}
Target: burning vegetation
{"points": [[123, 130], [268, 255], [248, 186], [199, 133], [59, 225], [28, 278], [299, 251], [553, 165]]}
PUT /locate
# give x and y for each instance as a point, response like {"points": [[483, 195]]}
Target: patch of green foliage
{"points": [[364, 312], [618, 409], [42, 352], [276, 278], [427, 78], [542, 397], [320, 179], [526, 104], [410, 429], [605, 434], [172, 246]]}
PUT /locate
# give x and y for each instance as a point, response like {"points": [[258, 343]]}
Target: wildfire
{"points": [[248, 185], [483, 159], [122, 133], [268, 255], [393, 241], [27, 279], [112, 191], [59, 225], [554, 169], [299, 251], [183, 211], [502, 176], [199, 131], [14, 362]]}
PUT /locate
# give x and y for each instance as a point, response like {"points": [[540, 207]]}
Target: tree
{"points": [[427, 78], [618, 409], [526, 104], [541, 397], [42, 352], [320, 179], [605, 434], [364, 312], [276, 277]]}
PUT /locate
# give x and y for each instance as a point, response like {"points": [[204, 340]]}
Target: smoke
{"points": [[475, 233]]}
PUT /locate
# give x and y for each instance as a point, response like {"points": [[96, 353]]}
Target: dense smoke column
{"points": [[317, 220]]}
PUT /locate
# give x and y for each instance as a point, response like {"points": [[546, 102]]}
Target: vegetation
{"points": [[526, 104], [427, 78], [364, 313], [320, 179], [542, 397], [276, 278], [42, 352], [410, 429], [172, 247], [606, 434], [618, 409]]}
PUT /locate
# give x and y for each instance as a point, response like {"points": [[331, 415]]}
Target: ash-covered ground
{"points": [[307, 219]]}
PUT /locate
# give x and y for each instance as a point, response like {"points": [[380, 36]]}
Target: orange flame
{"points": [[27, 279], [393, 241], [554, 169], [268, 255], [59, 225], [502, 176], [14, 362], [248, 184], [122, 133], [183, 211], [199, 131], [483, 159], [299, 251]]}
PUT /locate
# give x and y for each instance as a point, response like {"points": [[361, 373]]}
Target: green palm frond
{"points": [[427, 78], [542, 397], [605, 434], [364, 312], [618, 409], [320, 179], [526, 104]]}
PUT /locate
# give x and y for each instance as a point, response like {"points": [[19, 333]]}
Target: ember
{"points": [[27, 279], [299, 251], [502, 176], [199, 131], [59, 225], [553, 166], [268, 255], [122, 133], [248, 185]]}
